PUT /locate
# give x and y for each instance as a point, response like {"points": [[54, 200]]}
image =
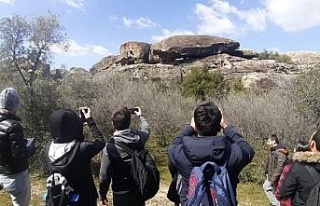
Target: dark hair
{"points": [[302, 146], [316, 138], [273, 137], [207, 119], [121, 119]]}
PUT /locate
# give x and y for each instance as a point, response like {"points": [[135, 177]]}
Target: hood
{"points": [[126, 136], [58, 150], [65, 126], [310, 158], [306, 157], [202, 149]]}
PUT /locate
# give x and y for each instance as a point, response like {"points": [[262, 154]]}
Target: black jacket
{"points": [[298, 182], [13, 152], [77, 170], [188, 151]]}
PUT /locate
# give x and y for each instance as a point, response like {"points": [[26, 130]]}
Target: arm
{"points": [[144, 129], [281, 159], [105, 176], [94, 147], [242, 153]]}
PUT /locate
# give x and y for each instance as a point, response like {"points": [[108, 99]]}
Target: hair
{"points": [[207, 118], [316, 138], [121, 119], [273, 137], [302, 146]]}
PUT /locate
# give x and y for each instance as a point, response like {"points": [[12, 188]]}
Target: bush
{"points": [[201, 83], [281, 58]]}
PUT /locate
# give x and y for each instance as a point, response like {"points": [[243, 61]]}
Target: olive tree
{"points": [[25, 45]]}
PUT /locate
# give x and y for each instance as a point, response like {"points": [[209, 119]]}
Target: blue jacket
{"points": [[188, 151]]}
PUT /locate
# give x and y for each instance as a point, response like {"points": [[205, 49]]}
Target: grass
{"points": [[248, 194]]}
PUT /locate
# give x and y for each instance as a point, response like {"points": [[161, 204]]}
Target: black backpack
{"points": [[314, 195], [144, 171]]}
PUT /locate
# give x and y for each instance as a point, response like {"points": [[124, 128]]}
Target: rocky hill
{"points": [[172, 58]]}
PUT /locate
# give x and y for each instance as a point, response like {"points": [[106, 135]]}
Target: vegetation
{"points": [[202, 83], [292, 112], [26, 44], [281, 58]]}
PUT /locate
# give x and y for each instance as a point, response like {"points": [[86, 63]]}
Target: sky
{"points": [[96, 28]]}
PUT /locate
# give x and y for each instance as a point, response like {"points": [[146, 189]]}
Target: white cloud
{"points": [[220, 18], [294, 15], [140, 23], [7, 1], [100, 50], [77, 50], [167, 33], [77, 4]]}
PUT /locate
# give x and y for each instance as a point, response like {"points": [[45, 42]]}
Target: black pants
{"points": [[127, 199]]}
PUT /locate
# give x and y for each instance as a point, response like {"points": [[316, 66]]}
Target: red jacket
{"points": [[286, 169]]}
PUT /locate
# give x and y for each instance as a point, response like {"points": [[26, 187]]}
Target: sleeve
{"points": [[266, 165], [284, 173], [17, 142], [281, 159], [241, 152], [144, 131], [94, 147], [289, 185], [105, 175]]}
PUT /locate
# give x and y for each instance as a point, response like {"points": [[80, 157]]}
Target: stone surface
{"points": [[135, 52], [192, 46]]}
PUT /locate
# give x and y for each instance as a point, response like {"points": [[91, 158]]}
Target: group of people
{"points": [[291, 180], [199, 142]]}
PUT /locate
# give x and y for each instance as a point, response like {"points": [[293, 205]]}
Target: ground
{"points": [[248, 195]]}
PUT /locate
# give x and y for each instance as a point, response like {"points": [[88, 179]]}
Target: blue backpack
{"points": [[209, 185]]}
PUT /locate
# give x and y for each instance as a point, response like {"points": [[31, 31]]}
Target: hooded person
{"points": [[14, 153], [69, 154]]}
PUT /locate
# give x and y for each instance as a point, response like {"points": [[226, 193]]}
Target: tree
{"points": [[201, 83], [26, 44]]}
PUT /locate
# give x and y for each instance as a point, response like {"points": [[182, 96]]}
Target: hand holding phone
{"points": [[85, 113]]}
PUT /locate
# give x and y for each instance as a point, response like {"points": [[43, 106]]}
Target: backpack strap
{"points": [[128, 149], [314, 174]]}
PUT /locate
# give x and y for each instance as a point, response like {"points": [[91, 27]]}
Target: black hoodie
{"points": [[70, 155]]}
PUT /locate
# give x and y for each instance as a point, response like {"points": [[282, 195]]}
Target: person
{"points": [[299, 180], [66, 128], [199, 143], [275, 163], [14, 153], [115, 160], [302, 146]]}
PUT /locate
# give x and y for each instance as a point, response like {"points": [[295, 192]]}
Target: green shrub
{"points": [[202, 83]]}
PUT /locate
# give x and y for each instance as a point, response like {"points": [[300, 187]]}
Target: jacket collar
{"points": [[5, 114], [306, 157]]}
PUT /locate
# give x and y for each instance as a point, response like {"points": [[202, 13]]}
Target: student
{"points": [[300, 179], [276, 160], [66, 129], [199, 143], [115, 160], [302, 146], [14, 153]]}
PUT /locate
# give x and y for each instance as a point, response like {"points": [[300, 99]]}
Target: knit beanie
{"points": [[9, 99]]}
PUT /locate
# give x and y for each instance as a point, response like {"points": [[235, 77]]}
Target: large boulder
{"points": [[135, 52], [105, 63], [192, 46]]}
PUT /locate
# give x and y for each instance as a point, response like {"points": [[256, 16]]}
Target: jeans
{"points": [[18, 186], [268, 189]]}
